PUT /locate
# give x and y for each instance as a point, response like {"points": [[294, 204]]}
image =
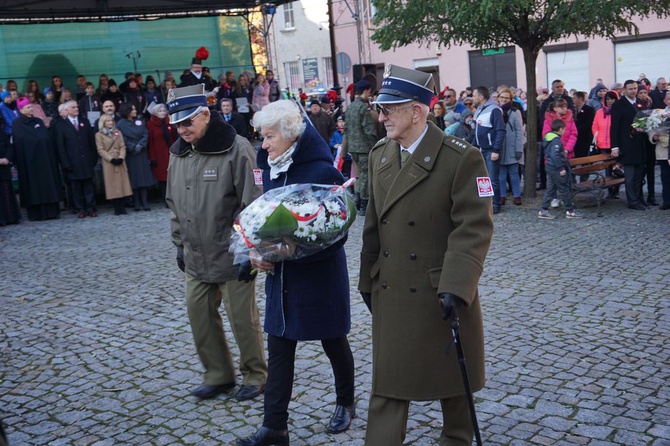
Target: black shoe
{"points": [[637, 207], [496, 208], [207, 391], [341, 419], [613, 197], [652, 202], [265, 437], [249, 392], [665, 207]]}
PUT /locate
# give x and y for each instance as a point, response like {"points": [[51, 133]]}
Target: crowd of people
{"points": [[61, 145], [196, 135]]}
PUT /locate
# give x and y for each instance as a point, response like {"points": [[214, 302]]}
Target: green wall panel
{"points": [[41, 51]]}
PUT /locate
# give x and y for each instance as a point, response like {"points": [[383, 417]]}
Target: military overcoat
{"points": [[427, 231]]}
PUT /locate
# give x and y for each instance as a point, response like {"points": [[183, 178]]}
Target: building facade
{"points": [[576, 61], [300, 43]]}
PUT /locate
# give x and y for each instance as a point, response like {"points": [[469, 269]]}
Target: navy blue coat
{"points": [[308, 298]]}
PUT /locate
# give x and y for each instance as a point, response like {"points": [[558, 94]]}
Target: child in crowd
{"points": [[558, 173], [90, 103]]}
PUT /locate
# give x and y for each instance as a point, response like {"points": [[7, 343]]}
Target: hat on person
{"points": [[465, 113], [111, 82], [47, 91], [315, 102], [4, 94], [404, 84], [22, 102], [200, 55], [362, 85], [185, 102]]}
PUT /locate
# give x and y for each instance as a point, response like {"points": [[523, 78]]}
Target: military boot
{"points": [[363, 207]]}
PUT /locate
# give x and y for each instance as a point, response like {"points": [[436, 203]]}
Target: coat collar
{"points": [[219, 138], [398, 182]]}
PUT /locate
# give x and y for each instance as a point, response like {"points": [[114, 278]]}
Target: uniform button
{"points": [[386, 253], [412, 290], [412, 256], [384, 285], [384, 221], [411, 223]]}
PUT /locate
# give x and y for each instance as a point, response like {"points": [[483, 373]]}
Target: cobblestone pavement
{"points": [[95, 346]]}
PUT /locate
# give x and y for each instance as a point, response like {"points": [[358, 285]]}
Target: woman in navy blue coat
{"points": [[308, 298]]}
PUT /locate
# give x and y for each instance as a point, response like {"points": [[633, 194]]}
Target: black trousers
{"points": [[83, 195], [649, 167], [281, 364], [633, 174], [665, 181]]}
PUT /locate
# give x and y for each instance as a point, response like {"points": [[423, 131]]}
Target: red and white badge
{"points": [[258, 177], [484, 187]]}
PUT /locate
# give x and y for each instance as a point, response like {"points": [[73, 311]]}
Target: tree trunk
{"points": [[530, 171]]}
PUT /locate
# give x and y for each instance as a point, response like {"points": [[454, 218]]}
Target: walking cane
{"points": [[464, 373]]}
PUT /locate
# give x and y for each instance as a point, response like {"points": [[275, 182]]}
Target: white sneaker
{"points": [[555, 203], [544, 214]]}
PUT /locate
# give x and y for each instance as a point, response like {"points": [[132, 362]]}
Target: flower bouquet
{"points": [[652, 122], [293, 221]]}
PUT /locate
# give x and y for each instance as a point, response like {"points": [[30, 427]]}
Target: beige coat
{"points": [[427, 231], [117, 183]]}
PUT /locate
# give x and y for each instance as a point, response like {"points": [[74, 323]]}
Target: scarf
{"points": [[606, 110], [166, 135], [506, 108], [282, 162], [108, 132]]}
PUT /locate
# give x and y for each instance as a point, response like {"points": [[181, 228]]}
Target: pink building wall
{"points": [[454, 63]]}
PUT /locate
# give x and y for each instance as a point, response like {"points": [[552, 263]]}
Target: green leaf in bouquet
{"points": [[280, 223], [351, 211]]}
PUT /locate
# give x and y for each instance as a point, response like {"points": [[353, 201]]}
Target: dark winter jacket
{"points": [[554, 152], [308, 298], [489, 131]]}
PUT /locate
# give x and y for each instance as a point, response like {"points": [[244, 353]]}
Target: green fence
{"points": [[41, 51]]}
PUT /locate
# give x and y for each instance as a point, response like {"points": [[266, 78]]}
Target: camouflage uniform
{"points": [[361, 133]]}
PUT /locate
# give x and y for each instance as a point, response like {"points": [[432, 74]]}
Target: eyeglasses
{"points": [[389, 111], [188, 122]]}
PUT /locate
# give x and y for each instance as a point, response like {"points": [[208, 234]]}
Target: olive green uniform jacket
{"points": [[427, 231], [208, 186], [361, 130]]}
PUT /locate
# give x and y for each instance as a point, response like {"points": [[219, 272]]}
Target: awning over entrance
{"points": [[55, 11]]}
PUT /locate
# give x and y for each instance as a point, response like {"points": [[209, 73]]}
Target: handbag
{"points": [[617, 171], [593, 148]]}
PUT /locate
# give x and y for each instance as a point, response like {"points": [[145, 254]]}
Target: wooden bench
{"points": [[596, 167]]}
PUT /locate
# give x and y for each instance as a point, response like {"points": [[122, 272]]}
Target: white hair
{"points": [[283, 115], [158, 107]]}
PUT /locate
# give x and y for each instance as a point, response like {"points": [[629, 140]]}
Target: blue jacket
{"points": [[489, 131], [308, 298], [9, 115], [554, 152]]}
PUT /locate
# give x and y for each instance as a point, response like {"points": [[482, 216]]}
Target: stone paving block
{"points": [[94, 359]]}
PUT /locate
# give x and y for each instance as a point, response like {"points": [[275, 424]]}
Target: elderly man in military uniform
{"points": [[427, 232], [361, 134], [210, 181]]}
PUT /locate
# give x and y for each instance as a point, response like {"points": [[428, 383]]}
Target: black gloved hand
{"points": [[245, 272], [180, 259], [367, 298], [449, 302], [117, 161], [153, 163]]}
